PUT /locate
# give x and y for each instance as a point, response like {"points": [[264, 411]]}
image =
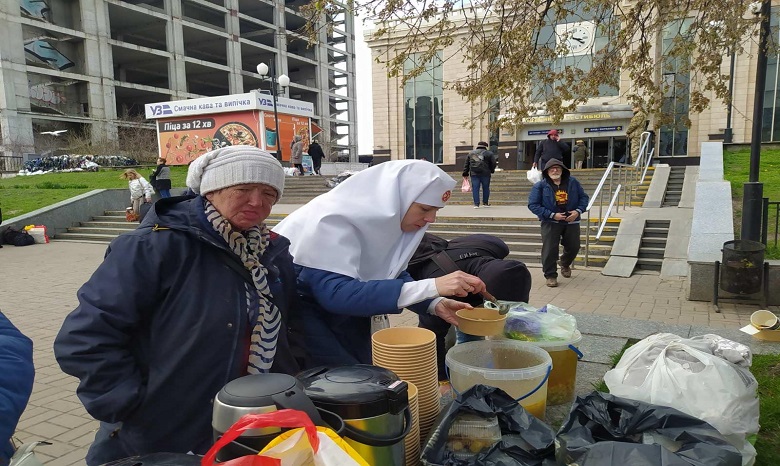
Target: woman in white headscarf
{"points": [[351, 247]]}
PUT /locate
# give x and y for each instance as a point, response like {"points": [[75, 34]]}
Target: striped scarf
{"points": [[249, 246]]}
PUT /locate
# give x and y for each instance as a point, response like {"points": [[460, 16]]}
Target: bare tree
{"points": [[523, 54]]}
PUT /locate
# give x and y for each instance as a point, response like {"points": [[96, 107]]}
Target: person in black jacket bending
{"points": [[550, 148], [480, 255]]}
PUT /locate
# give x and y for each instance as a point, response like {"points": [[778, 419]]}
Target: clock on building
{"points": [[578, 37]]}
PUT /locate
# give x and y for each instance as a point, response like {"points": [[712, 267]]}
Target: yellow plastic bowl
{"points": [[480, 321]]}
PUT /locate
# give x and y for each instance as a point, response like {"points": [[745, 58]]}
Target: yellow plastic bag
{"points": [[306, 446], [293, 449]]}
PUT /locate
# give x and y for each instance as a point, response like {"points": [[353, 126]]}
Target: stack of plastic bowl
{"points": [[412, 440], [410, 352]]}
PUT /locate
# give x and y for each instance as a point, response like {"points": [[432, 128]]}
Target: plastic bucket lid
{"points": [[460, 359]]}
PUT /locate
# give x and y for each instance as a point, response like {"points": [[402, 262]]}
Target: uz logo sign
{"points": [[163, 109], [266, 102]]}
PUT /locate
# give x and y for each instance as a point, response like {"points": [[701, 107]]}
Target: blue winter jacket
{"points": [[162, 326], [337, 309], [16, 382], [541, 200]]}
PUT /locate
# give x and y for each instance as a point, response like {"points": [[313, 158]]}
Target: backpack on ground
{"points": [[17, 237]]}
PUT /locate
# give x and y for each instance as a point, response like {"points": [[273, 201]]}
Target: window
{"points": [[424, 112], [770, 121], [676, 84]]}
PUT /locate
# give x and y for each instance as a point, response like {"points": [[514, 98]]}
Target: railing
{"points": [[619, 179], [775, 206]]}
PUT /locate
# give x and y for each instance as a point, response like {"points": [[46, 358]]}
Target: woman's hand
{"points": [[459, 284], [446, 309]]}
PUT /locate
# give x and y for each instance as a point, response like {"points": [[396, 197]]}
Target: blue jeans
{"points": [[461, 337], [164, 193], [476, 182]]}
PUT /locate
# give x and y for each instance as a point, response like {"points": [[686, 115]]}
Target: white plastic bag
{"points": [[695, 382], [534, 175], [548, 323]]}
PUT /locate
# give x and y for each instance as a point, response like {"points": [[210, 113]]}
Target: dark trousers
{"points": [[476, 182], [553, 234]]}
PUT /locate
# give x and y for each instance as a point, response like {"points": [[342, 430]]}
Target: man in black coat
{"points": [[481, 255], [550, 148], [316, 154]]}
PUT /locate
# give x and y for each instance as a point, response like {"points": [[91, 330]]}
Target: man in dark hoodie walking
{"points": [[559, 201], [550, 148]]}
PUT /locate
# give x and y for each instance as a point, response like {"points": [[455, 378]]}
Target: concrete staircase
{"points": [[653, 245], [507, 188], [674, 187]]}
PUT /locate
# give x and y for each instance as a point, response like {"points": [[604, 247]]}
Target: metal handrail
{"points": [[609, 209], [629, 178]]}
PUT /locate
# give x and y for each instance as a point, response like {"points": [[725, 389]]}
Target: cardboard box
{"points": [[766, 335]]}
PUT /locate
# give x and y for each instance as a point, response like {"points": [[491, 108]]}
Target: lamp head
{"points": [[262, 69], [283, 80]]}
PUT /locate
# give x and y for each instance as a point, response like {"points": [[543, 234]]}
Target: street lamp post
{"points": [[753, 189], [284, 81]]}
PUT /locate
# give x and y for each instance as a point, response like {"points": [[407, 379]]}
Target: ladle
{"points": [[492, 303]]}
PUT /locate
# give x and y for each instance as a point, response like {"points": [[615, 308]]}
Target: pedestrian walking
{"points": [[559, 201], [550, 148], [480, 165], [581, 154]]}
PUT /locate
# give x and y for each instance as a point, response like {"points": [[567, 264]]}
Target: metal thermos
{"points": [[373, 403], [257, 394]]}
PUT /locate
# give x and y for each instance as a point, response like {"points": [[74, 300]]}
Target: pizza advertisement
{"points": [[183, 139]]}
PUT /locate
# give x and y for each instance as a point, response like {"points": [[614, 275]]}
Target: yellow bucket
{"points": [[563, 378]]}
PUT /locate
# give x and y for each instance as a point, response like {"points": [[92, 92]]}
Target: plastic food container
{"points": [[470, 435], [480, 321], [518, 368]]}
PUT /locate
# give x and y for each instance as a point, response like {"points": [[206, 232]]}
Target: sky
{"points": [[365, 119]]}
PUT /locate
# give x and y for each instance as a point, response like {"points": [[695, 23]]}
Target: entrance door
{"points": [[600, 152]]}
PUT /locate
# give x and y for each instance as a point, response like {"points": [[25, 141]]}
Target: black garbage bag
{"points": [[525, 441], [604, 429]]}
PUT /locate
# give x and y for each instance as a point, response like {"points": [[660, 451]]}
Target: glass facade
{"points": [[770, 122], [424, 115], [677, 87]]}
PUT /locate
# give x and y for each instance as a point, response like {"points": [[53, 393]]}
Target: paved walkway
{"points": [[38, 286]]}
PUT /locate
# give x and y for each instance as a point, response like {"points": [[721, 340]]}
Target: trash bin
{"points": [[742, 267]]}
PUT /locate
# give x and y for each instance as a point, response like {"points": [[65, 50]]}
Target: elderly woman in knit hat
{"points": [[197, 296]]}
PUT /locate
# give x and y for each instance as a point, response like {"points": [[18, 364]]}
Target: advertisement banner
{"points": [[289, 126], [183, 139]]}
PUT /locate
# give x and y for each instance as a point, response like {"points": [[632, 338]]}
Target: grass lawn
{"points": [[766, 370], [23, 194], [736, 169]]}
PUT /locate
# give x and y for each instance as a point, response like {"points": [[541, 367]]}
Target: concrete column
{"points": [[233, 47], [349, 26], [280, 40], [174, 37], [323, 84], [98, 62], [17, 133]]}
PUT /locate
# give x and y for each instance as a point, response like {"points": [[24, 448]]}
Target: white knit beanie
{"points": [[233, 165]]}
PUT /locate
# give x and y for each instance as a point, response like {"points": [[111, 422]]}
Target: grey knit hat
{"points": [[233, 165]]}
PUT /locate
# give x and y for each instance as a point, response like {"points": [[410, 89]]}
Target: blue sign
{"points": [[537, 132], [601, 129]]}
